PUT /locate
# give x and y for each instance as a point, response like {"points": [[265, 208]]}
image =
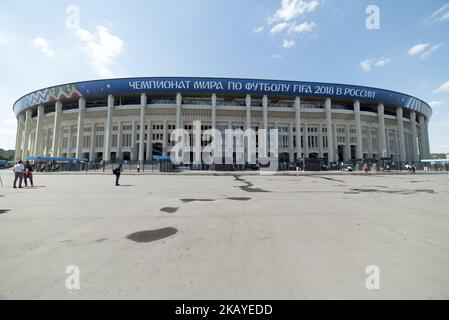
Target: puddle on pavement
{"points": [[402, 192], [2, 211], [199, 200], [249, 186], [239, 198], [331, 179], [152, 235], [170, 209]]}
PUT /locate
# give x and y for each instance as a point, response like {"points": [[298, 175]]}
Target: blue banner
{"points": [[165, 85]]}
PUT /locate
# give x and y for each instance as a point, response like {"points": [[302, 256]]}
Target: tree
{"points": [[7, 155]]}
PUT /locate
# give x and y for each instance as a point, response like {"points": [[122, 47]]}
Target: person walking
{"points": [[117, 171], [19, 168], [28, 174], [366, 168]]}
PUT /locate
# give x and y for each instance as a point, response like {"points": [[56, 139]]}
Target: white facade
{"points": [[118, 130]]}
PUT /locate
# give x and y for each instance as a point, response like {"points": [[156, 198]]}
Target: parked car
{"points": [[347, 167]]}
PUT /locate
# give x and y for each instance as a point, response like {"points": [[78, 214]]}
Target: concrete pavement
{"points": [[220, 237]]}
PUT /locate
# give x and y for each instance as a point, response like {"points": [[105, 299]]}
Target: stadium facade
{"points": [[132, 118]]}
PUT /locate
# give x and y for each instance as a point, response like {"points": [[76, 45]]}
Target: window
{"points": [[73, 142], [65, 142], [86, 142], [99, 141], [114, 140], [126, 138]]}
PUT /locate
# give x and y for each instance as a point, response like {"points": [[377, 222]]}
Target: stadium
{"points": [[130, 119]]}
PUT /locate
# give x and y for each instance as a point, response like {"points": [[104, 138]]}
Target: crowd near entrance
{"points": [[163, 163]]}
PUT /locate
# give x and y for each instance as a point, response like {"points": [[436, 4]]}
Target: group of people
{"points": [[24, 173], [410, 168]]}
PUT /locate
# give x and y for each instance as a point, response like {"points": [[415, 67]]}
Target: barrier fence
{"points": [[374, 165]]}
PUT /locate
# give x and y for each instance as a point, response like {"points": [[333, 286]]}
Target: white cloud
{"points": [[443, 88], [283, 20], [44, 46], [417, 49], [369, 64], [436, 104], [442, 14], [301, 28], [279, 27], [422, 50], [258, 29], [291, 9], [288, 43], [103, 49], [427, 54]]}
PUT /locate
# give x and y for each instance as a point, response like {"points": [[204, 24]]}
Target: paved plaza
{"points": [[225, 237]]}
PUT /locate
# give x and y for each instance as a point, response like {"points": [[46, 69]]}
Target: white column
{"points": [[133, 141], [291, 149], [214, 111], [92, 142], [381, 131], [119, 155], [38, 149], [422, 136], [32, 142], [399, 117], [347, 156], [108, 130], [426, 126], [306, 140], [56, 129], [19, 136], [358, 124], [370, 143], [414, 136], [143, 104], [150, 141], [265, 112], [248, 112], [69, 141], [80, 132], [178, 111], [330, 140], [297, 107], [320, 140], [26, 141], [165, 150]]}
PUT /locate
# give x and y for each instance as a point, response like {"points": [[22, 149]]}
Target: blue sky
{"points": [[313, 40]]}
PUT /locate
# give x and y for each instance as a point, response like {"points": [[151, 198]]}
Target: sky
{"points": [[399, 45]]}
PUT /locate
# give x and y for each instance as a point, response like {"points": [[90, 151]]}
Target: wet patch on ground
{"points": [[249, 186], [401, 192], [330, 179], [152, 235], [239, 198], [101, 240], [2, 211], [196, 200], [170, 209]]}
